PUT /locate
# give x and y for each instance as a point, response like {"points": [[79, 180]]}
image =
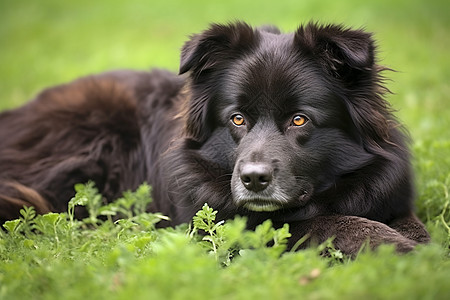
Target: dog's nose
{"points": [[256, 176]]}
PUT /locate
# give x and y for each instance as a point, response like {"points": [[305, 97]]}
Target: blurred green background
{"points": [[48, 42]]}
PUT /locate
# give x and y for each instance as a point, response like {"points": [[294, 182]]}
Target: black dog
{"points": [[291, 127]]}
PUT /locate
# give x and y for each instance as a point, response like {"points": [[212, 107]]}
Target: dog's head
{"points": [[303, 109]]}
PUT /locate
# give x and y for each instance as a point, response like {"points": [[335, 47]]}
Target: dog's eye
{"points": [[238, 120], [299, 120]]}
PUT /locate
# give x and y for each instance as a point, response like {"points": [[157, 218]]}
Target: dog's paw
{"points": [[350, 234]]}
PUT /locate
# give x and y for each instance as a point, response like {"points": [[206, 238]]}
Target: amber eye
{"points": [[238, 120], [299, 120]]}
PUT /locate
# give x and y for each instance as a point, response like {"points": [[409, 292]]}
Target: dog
{"points": [[289, 127]]}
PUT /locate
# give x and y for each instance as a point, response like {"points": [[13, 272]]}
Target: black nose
{"points": [[256, 176]]}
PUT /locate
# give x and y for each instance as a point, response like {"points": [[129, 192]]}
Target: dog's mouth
{"points": [[270, 204], [259, 205]]}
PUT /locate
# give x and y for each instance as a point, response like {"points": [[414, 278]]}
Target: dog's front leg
{"points": [[350, 233]]}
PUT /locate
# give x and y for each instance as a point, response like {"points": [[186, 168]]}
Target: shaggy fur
{"points": [[342, 171]]}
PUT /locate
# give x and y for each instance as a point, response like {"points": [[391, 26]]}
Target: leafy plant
{"points": [[117, 252]]}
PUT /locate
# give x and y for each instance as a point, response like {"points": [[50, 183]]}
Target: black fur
{"points": [[345, 172]]}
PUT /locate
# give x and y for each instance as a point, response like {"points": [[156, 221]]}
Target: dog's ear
{"points": [[219, 43], [343, 53], [208, 51], [349, 56]]}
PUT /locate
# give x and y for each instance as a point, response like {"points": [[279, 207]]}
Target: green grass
{"points": [[55, 256], [47, 42]]}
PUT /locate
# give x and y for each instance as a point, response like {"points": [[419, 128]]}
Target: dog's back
{"points": [[90, 129]]}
